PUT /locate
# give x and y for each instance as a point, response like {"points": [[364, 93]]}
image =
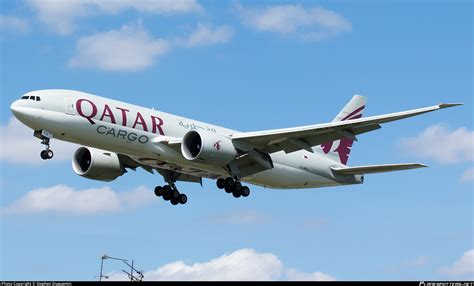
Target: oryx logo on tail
{"points": [[340, 149]]}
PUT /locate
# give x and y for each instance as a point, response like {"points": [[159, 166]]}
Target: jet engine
{"points": [[208, 148], [97, 164]]}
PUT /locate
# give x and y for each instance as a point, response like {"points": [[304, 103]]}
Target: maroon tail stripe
{"points": [[355, 117], [354, 112]]}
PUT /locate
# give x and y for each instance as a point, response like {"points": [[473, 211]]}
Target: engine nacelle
{"points": [[208, 148], [97, 164]]}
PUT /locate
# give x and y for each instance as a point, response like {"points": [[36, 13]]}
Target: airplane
{"points": [[117, 136]]}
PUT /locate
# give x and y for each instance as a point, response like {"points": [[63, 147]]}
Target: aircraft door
{"points": [[69, 106]]}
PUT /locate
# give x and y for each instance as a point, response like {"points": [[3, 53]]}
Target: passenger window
{"points": [[24, 97], [38, 98]]}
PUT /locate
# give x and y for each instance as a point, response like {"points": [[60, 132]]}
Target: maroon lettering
{"points": [[107, 112], [81, 113], [157, 126], [139, 120], [124, 115]]}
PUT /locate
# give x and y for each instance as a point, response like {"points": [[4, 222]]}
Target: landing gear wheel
{"points": [[236, 193], [43, 155], [229, 189], [167, 193], [49, 154], [245, 191], [237, 186], [174, 202], [229, 182], [220, 183], [183, 199], [174, 194], [159, 191]]}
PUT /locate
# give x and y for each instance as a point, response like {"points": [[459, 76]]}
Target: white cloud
{"points": [[206, 35], [468, 175], [444, 145], [295, 275], [150, 6], [13, 24], [243, 264], [60, 15], [312, 24], [65, 200], [463, 268], [240, 217], [18, 146], [440, 143], [129, 49]]}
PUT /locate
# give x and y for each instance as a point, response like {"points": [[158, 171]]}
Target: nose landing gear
{"points": [[45, 137]]}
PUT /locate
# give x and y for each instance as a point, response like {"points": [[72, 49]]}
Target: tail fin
{"points": [[340, 150]]}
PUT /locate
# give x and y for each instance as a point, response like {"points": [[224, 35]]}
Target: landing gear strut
{"points": [[234, 187], [171, 193], [45, 137]]}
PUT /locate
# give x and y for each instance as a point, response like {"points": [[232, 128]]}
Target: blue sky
{"points": [[248, 65]]}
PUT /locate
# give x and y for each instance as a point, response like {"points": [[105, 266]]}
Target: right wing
{"points": [[305, 137]]}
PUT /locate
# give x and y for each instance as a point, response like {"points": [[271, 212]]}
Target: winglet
{"points": [[447, 105]]}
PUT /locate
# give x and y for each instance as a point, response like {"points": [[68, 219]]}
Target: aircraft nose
{"points": [[15, 108], [26, 114]]}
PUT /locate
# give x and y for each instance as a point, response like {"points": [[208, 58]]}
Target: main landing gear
{"points": [[45, 137], [234, 187], [171, 193]]}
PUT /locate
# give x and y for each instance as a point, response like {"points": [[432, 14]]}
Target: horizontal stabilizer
{"points": [[358, 170]]}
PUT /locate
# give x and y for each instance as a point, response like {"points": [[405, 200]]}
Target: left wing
{"points": [[168, 173], [305, 137]]}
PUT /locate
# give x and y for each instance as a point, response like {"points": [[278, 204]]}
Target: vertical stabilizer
{"points": [[340, 150]]}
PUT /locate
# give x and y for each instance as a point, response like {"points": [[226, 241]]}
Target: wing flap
{"points": [[359, 170]]}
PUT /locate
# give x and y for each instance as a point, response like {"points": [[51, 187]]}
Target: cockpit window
{"points": [[31, 97]]}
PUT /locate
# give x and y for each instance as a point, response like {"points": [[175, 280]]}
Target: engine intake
{"points": [[208, 148], [97, 164]]}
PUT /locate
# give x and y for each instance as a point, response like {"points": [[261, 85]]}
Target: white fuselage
{"points": [[132, 130]]}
